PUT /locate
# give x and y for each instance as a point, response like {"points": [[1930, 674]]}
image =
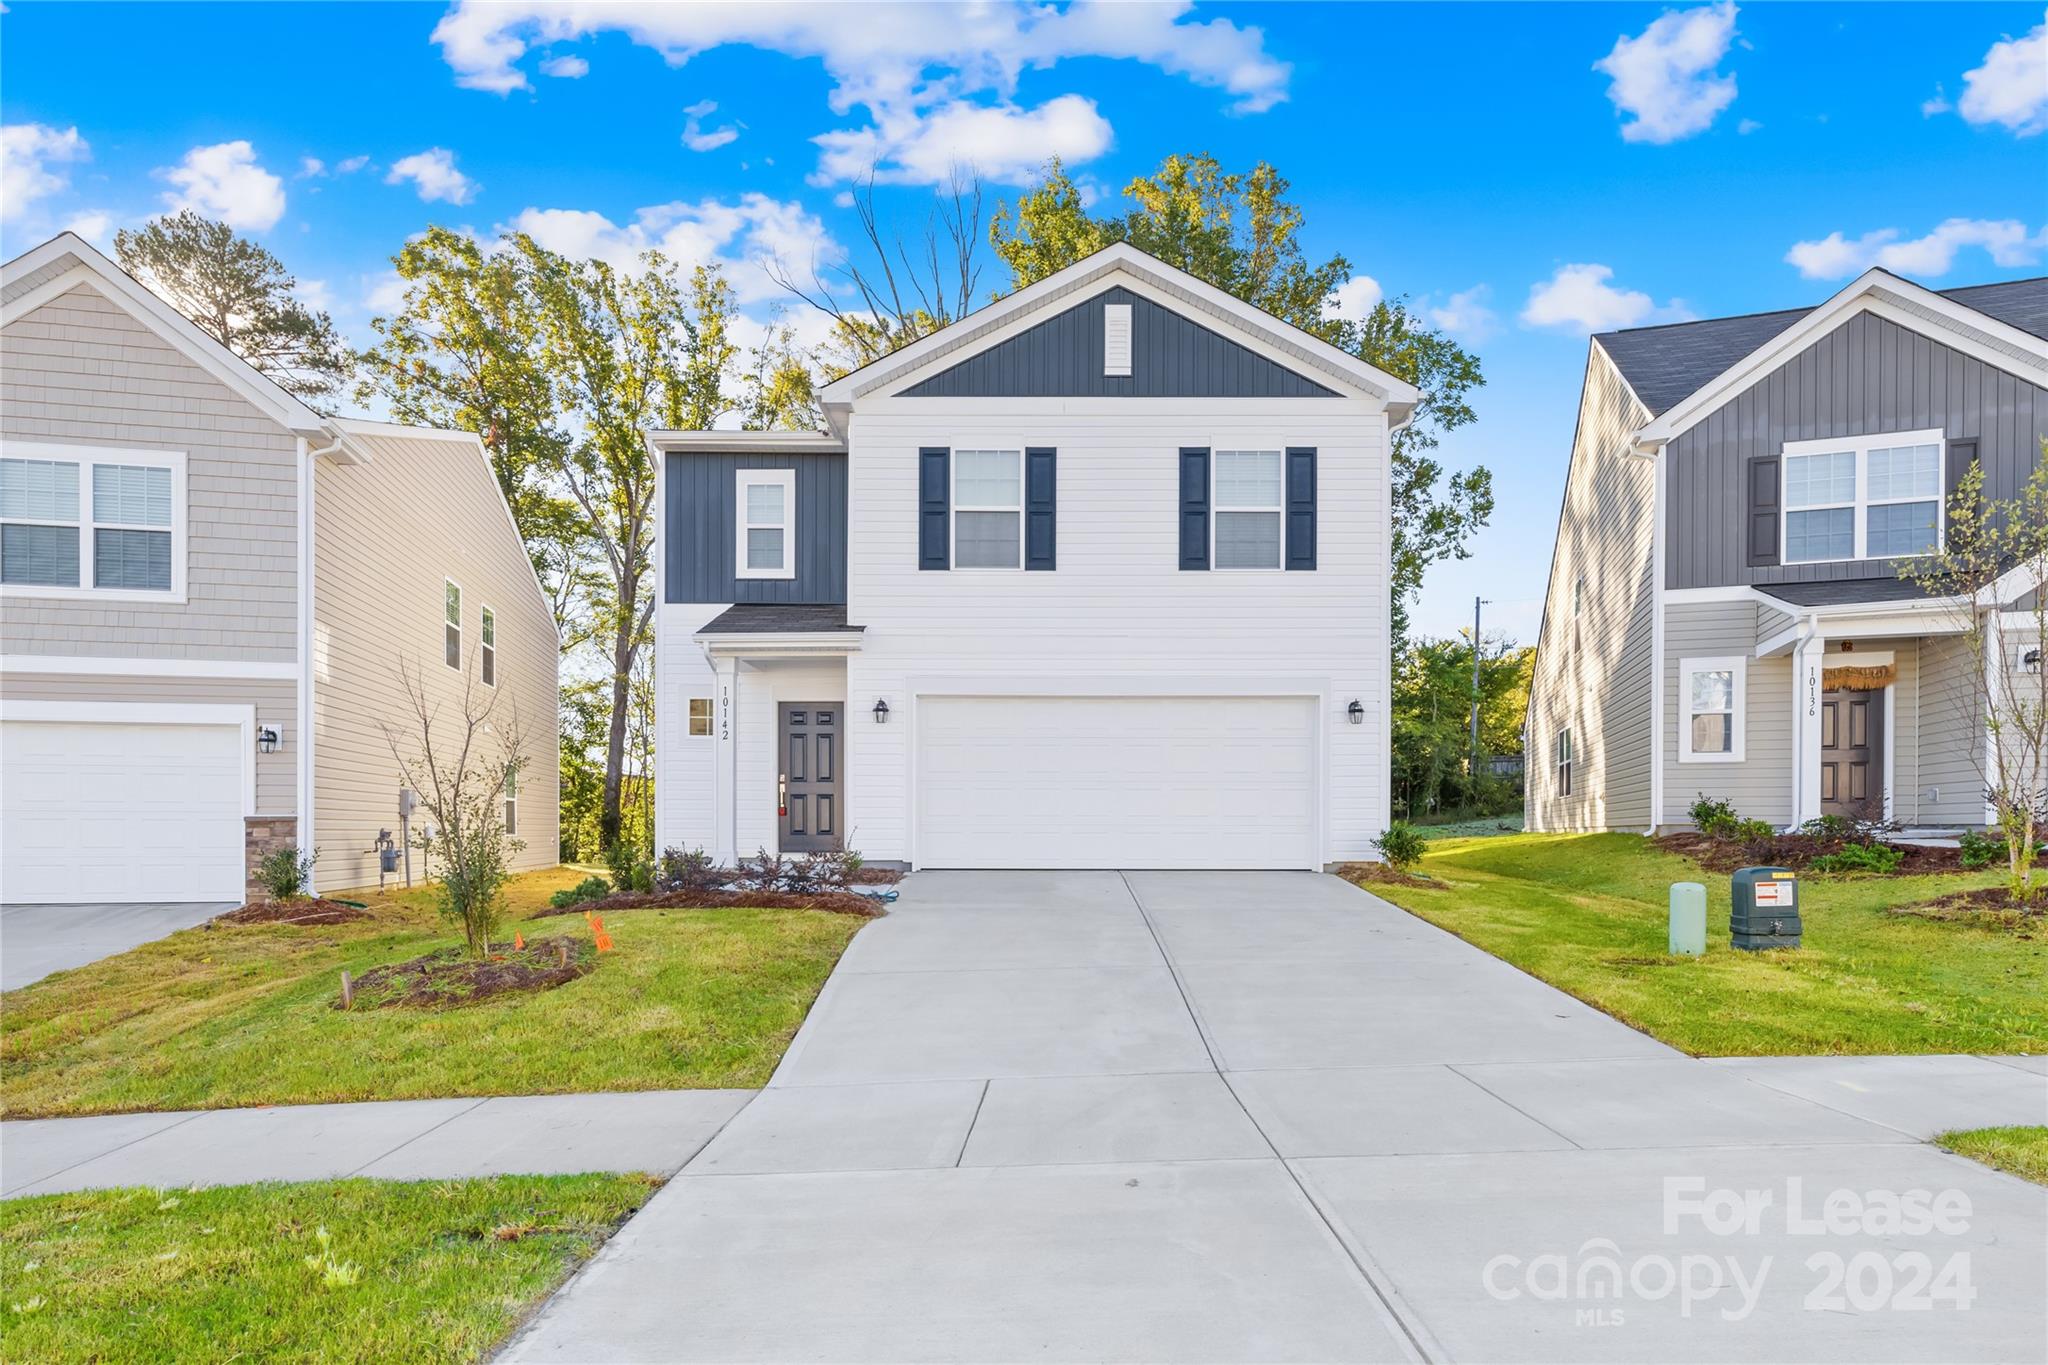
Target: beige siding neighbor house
{"points": [[1726, 615], [207, 591]]}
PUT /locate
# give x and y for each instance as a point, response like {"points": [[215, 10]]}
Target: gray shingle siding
{"points": [[1171, 357], [697, 529]]}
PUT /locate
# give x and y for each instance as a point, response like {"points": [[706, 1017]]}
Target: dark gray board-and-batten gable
{"points": [[1867, 376], [1171, 356]]}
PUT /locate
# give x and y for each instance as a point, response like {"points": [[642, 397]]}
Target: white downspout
{"points": [[307, 838]]}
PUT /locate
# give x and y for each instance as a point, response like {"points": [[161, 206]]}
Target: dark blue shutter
{"points": [[1194, 508], [934, 499], [1041, 505], [1301, 507]]}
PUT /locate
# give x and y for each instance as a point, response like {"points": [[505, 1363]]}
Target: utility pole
{"points": [[1477, 603]]}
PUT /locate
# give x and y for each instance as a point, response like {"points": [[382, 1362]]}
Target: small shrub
{"points": [[1880, 859], [1829, 827], [806, 876], [1980, 850], [622, 858], [762, 872], [589, 889], [641, 878], [1402, 845], [687, 870], [286, 873], [1752, 831], [1714, 816]]}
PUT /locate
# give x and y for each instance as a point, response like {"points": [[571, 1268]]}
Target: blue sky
{"points": [[1523, 173]]}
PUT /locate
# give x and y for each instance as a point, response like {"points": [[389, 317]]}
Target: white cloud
{"points": [[383, 294], [1579, 297], [224, 181], [310, 167], [93, 225], [694, 136], [433, 173], [351, 166], [567, 68], [32, 156], [2011, 88], [744, 237], [1353, 299], [315, 295], [901, 62], [1835, 257], [1465, 314], [1005, 143], [1937, 103], [1664, 78], [1748, 126]]}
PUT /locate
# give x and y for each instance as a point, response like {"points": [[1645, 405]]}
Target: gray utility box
{"points": [[1765, 913]]}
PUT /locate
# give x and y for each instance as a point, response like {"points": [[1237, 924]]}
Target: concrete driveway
{"points": [[36, 940], [1178, 1116]]}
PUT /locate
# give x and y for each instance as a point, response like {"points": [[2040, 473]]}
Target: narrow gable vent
{"points": [[1116, 338]]}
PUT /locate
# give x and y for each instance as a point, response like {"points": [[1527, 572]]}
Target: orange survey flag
{"points": [[518, 941], [604, 940]]}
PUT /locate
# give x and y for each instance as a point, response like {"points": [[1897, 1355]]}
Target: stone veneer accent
{"points": [[263, 835]]}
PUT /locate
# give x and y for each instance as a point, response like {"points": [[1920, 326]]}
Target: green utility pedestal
{"points": [[1765, 913]]}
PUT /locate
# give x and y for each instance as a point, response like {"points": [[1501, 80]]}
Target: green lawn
{"points": [[341, 1270], [1587, 913], [2022, 1151], [217, 1018]]}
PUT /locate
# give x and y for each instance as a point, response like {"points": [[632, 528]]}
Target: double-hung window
{"points": [[765, 537], [512, 799], [451, 629], [700, 718], [92, 522], [1864, 497], [988, 509], [1249, 495], [1713, 693], [1564, 762], [487, 643]]}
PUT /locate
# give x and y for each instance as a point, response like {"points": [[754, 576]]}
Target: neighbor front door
{"points": [[1852, 754], [807, 785]]}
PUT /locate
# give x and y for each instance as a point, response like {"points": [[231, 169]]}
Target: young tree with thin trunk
{"points": [[1991, 575], [242, 296], [460, 766]]}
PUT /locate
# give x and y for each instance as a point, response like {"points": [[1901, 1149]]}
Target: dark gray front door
{"points": [[1852, 754], [808, 784]]}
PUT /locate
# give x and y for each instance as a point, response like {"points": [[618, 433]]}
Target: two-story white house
{"points": [[1096, 577]]}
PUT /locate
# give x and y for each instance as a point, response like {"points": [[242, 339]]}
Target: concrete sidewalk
{"points": [[397, 1140]]}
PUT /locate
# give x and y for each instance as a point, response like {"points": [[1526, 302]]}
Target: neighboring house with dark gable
{"points": [[1725, 615], [207, 591], [1095, 577]]}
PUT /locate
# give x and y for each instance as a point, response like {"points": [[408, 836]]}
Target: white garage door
{"points": [[92, 812], [1078, 782]]}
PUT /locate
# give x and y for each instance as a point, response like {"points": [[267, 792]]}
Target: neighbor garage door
{"points": [[1197, 782], [93, 812]]}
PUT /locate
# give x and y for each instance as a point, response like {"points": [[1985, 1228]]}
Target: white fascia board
{"points": [[956, 340], [175, 328], [127, 666], [770, 645], [745, 442], [1996, 343]]}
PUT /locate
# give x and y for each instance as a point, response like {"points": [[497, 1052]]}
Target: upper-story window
{"points": [[988, 509], [487, 644], [765, 537], [1864, 497], [451, 631], [1250, 506], [92, 522]]}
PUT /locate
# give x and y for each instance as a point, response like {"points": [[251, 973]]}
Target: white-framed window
{"points": [[1247, 495], [93, 522], [451, 630], [700, 718], [487, 646], [1713, 697], [988, 509], [1863, 497], [512, 799], [765, 536], [1565, 755]]}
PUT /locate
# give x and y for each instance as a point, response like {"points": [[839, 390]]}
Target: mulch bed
{"points": [[1380, 874], [875, 876], [449, 976], [836, 902], [1795, 851], [1986, 905], [308, 911]]}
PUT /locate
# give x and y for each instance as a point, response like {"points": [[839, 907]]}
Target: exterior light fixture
{"points": [[2032, 659], [266, 739], [1356, 711], [881, 711]]}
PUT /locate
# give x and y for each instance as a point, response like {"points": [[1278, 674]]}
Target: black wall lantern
{"points": [[881, 711], [1356, 711], [267, 739]]}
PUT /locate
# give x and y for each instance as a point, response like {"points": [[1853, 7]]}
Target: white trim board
{"points": [[149, 713], [124, 666]]}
